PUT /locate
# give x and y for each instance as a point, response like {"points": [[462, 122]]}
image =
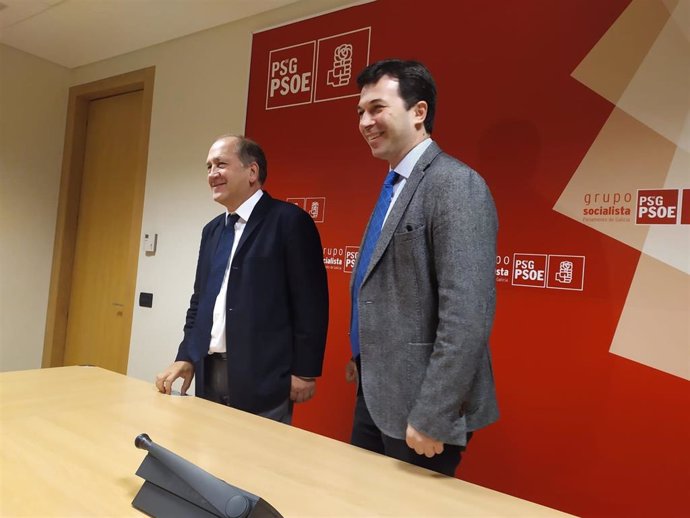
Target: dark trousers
{"points": [[216, 389], [367, 435]]}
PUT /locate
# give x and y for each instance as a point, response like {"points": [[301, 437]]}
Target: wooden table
{"points": [[67, 449]]}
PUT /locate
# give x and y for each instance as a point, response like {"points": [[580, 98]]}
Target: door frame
{"points": [[70, 193]]}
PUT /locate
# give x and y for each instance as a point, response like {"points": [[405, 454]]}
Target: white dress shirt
{"points": [[218, 340], [404, 169]]}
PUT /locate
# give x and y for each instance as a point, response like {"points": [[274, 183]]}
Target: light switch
{"points": [[150, 243], [146, 300]]}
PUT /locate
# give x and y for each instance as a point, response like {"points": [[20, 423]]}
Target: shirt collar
{"points": [[245, 210], [404, 168]]}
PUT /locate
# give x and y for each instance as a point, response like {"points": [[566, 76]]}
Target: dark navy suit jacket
{"points": [[277, 306]]}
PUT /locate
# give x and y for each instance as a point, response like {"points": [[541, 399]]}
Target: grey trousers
{"points": [[216, 389]]}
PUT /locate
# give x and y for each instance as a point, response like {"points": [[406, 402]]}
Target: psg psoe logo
{"points": [[559, 272], [317, 70], [351, 253], [341, 258], [566, 272], [529, 270], [661, 207], [316, 207], [290, 76], [341, 73]]}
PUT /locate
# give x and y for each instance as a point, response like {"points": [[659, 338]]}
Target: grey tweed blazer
{"points": [[427, 303]]}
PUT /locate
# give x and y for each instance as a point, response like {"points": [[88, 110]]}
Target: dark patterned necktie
{"points": [[204, 315]]}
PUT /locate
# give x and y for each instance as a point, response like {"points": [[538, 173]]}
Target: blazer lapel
{"points": [[216, 231], [256, 217], [401, 204]]}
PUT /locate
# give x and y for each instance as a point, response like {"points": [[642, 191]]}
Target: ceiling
{"points": [[72, 33]]}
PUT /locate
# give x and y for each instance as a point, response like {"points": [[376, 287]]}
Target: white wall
{"points": [[200, 92], [33, 105]]}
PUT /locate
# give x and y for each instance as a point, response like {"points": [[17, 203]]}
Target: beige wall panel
{"points": [[33, 104], [659, 93], [611, 64], [625, 156], [671, 5], [680, 14], [654, 328], [671, 243]]}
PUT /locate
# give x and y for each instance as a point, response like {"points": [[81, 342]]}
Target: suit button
{"points": [[229, 309]]}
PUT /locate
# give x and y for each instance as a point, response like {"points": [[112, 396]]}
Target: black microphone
{"points": [[176, 487], [143, 441]]}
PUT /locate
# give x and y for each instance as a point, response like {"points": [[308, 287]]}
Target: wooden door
{"points": [[99, 318]]}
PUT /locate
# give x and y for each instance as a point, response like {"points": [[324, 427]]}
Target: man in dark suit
{"points": [[423, 292], [256, 325]]}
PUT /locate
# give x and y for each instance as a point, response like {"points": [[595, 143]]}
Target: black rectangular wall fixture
{"points": [[146, 300]]}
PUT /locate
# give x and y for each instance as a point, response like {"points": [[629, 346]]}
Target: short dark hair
{"points": [[415, 83], [249, 151]]}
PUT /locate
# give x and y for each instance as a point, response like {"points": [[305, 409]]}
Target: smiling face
{"points": [[389, 127], [230, 180]]}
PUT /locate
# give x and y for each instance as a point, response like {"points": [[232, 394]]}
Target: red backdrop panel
{"points": [[581, 429]]}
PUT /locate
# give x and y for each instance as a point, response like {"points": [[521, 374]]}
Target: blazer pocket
{"points": [[407, 233], [407, 245]]}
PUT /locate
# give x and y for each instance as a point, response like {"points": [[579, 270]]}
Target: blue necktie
{"points": [[204, 315], [370, 239]]}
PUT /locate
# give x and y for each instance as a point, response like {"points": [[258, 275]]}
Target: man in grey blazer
{"points": [[423, 291]]}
